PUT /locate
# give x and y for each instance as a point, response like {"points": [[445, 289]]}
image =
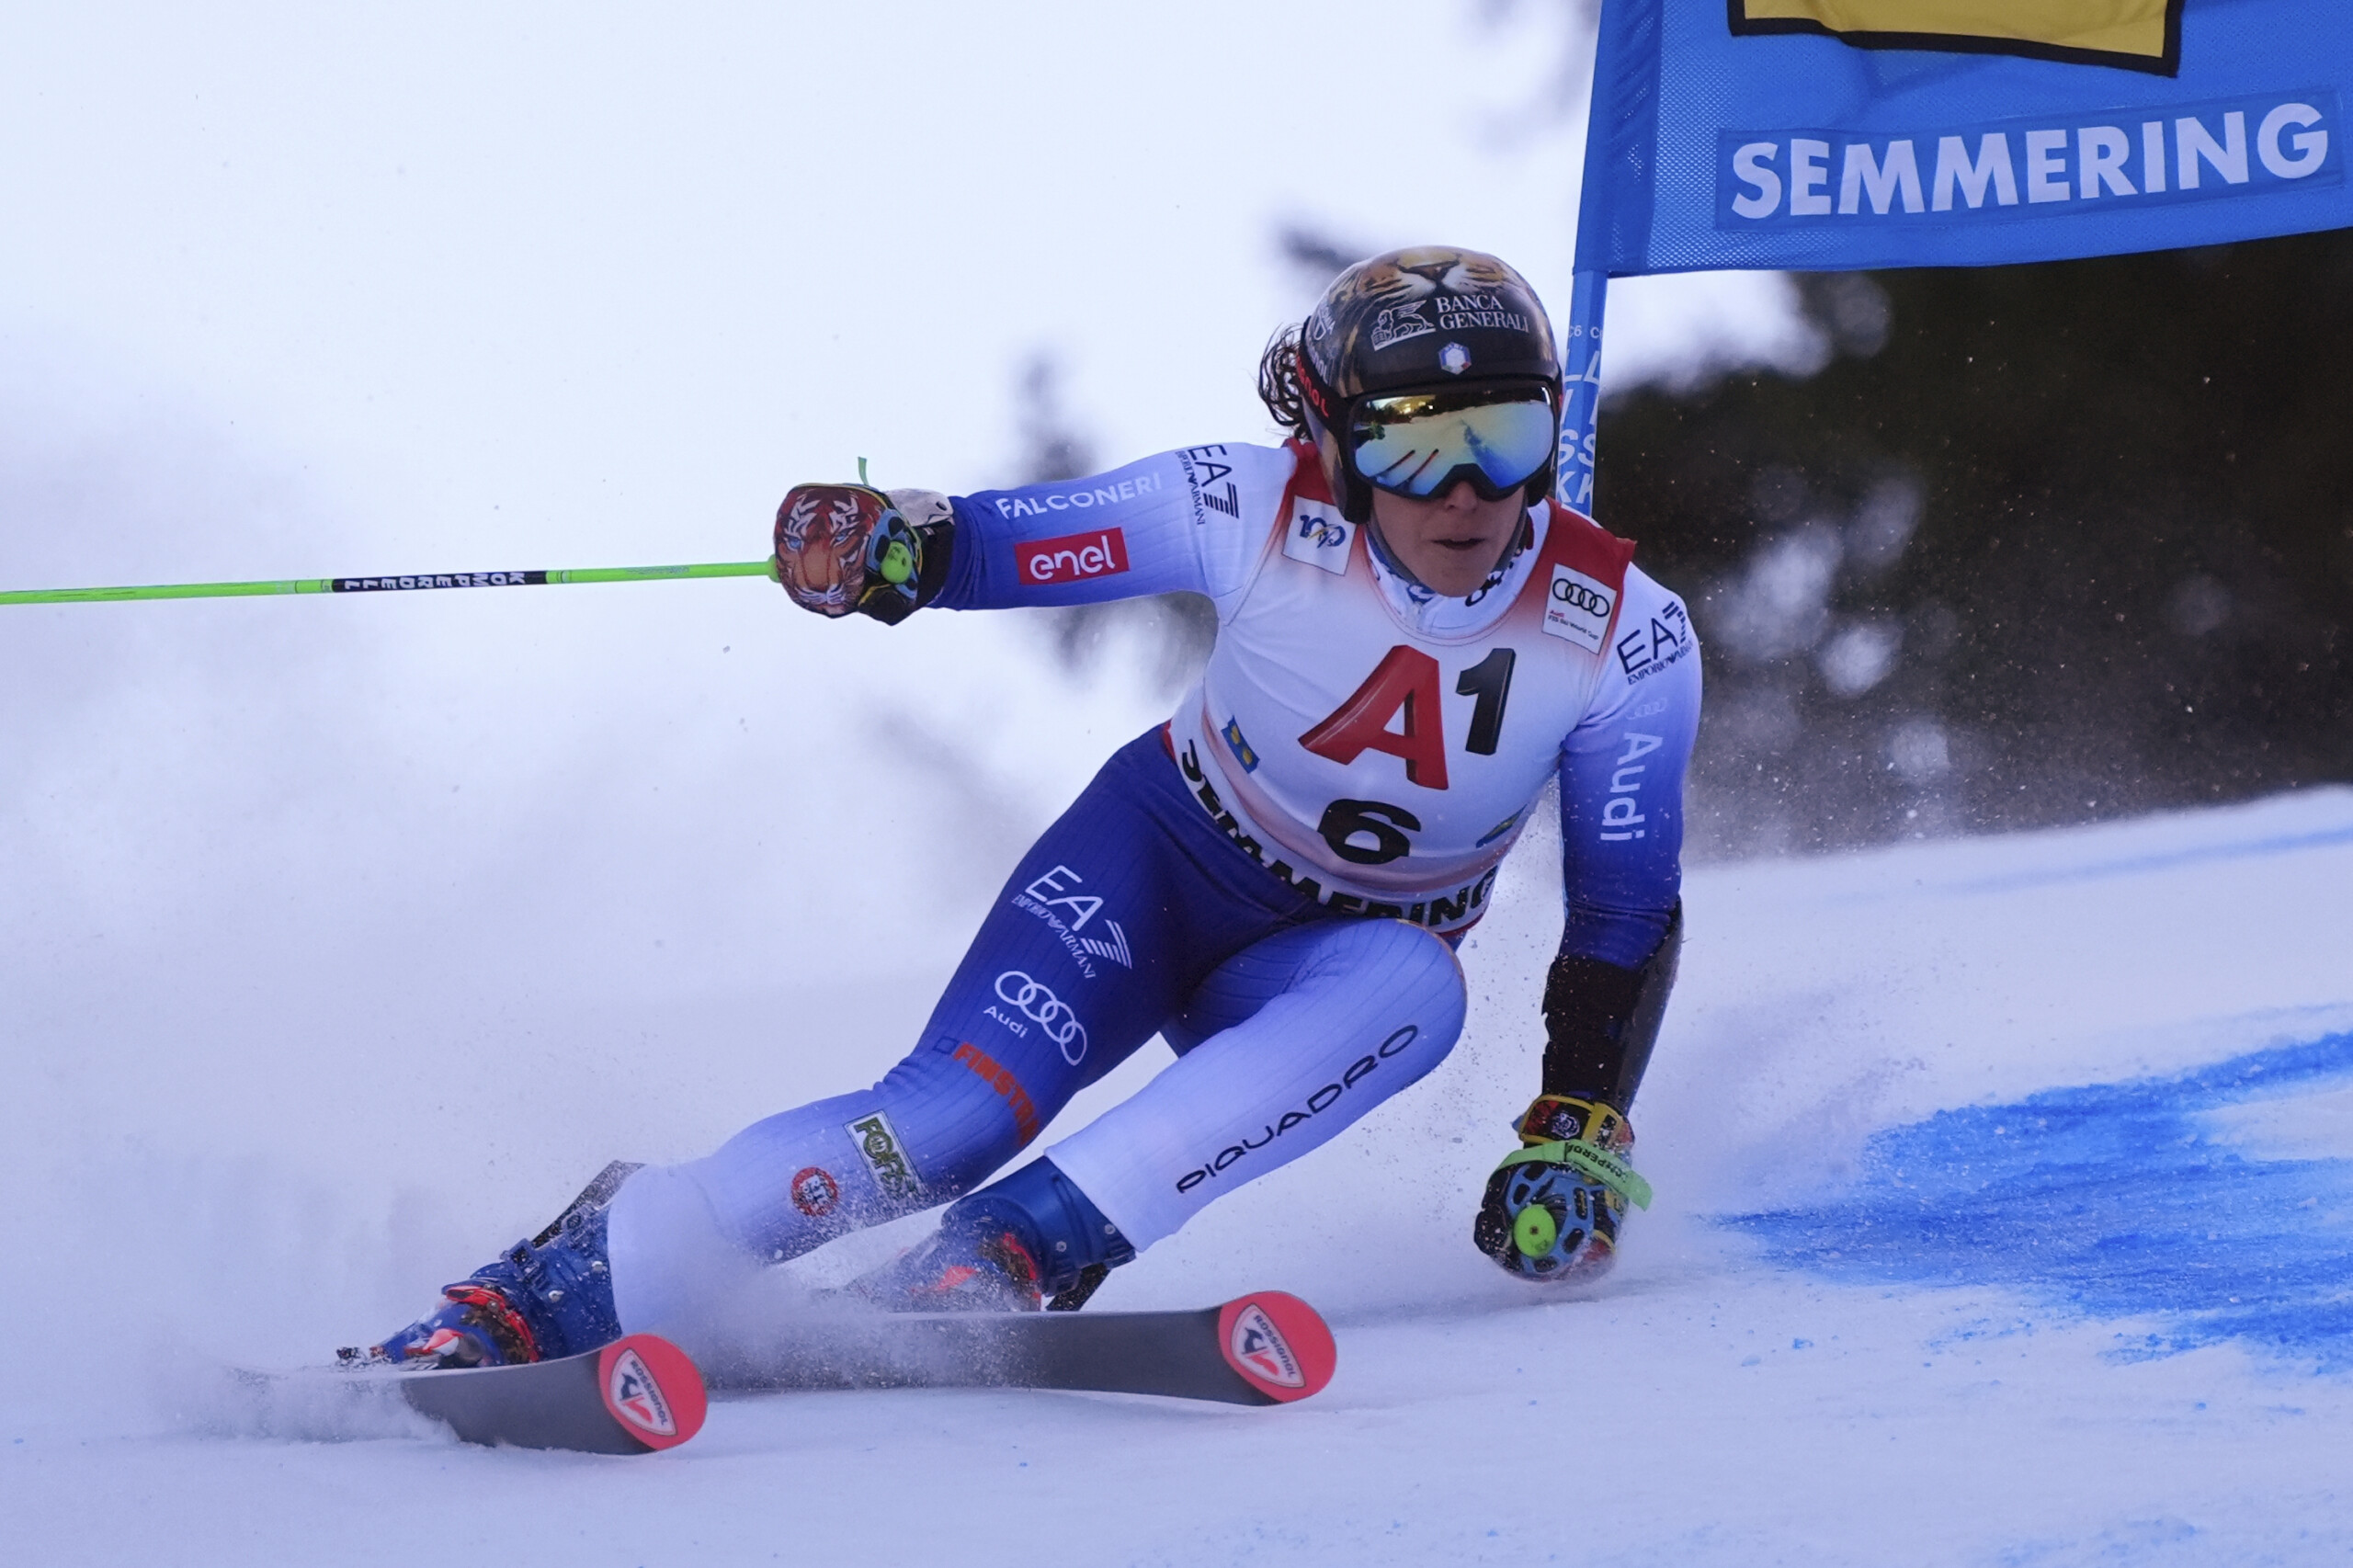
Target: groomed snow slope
{"points": [[2005, 1191]]}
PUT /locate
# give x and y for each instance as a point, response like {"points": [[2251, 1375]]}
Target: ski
{"points": [[638, 1395], [1266, 1348], [643, 1394]]}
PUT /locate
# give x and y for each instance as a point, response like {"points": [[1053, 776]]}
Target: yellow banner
{"points": [[2140, 33]]}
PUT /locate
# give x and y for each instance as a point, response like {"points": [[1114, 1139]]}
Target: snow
{"points": [[1961, 1148], [340, 941]]}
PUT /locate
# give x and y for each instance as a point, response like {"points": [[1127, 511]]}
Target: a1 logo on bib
{"points": [[1578, 609], [1317, 534]]}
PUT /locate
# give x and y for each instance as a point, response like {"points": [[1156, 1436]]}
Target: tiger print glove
{"points": [[850, 548]]}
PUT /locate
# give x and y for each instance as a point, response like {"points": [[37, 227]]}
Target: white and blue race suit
{"points": [[1273, 880]]}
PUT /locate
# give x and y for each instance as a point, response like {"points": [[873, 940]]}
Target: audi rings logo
{"points": [[1050, 1012], [1580, 607], [1575, 594]]}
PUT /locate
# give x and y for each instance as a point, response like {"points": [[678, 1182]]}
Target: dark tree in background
{"points": [[2039, 544]]}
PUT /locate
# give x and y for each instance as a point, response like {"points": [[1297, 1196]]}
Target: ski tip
{"points": [[652, 1389], [1280, 1344]]}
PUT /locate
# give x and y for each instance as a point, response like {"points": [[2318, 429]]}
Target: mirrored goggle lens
{"points": [[1416, 445]]}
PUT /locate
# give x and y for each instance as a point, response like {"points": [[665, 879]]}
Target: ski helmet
{"points": [[1456, 323]]}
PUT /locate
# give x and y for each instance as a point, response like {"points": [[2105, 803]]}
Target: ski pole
{"points": [[405, 581]]}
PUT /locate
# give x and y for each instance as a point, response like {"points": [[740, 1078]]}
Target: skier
{"points": [[1412, 638]]}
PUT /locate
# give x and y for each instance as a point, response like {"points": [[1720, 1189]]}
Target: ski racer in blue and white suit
{"points": [[1274, 881]]}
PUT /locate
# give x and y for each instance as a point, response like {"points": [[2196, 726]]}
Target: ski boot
{"points": [[544, 1298], [1029, 1242], [1554, 1207]]}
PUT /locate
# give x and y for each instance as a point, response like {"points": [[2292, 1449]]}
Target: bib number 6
{"points": [[1347, 822]]}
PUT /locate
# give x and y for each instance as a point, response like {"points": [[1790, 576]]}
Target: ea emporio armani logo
{"points": [[2134, 35]]}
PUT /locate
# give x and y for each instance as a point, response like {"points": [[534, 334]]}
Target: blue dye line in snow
{"points": [[2111, 1200]]}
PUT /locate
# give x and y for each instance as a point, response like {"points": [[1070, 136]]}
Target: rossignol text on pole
{"points": [[401, 583]]}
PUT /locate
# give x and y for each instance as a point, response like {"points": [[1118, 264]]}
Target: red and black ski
{"points": [[641, 1394], [638, 1395], [1267, 1348]]}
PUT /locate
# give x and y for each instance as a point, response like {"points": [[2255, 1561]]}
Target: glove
{"points": [[1552, 1208], [844, 548]]}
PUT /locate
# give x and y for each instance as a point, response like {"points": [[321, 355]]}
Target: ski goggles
{"points": [[1419, 444]]}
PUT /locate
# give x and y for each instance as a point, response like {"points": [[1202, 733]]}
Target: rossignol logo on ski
{"points": [[636, 1398], [886, 1156], [1259, 1347], [652, 1389]]}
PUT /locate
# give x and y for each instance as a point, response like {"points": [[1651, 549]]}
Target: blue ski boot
{"points": [[547, 1297], [1028, 1242]]}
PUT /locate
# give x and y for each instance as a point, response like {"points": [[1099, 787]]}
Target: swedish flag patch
{"points": [[1242, 752]]}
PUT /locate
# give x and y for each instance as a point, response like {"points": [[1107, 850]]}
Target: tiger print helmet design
{"points": [[1428, 316], [1388, 325]]}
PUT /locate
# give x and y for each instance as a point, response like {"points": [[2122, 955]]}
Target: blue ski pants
{"points": [[1132, 915]]}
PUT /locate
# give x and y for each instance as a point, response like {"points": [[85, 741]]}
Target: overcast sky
{"points": [[595, 279]]}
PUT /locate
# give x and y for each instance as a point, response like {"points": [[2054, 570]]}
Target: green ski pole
{"points": [[405, 582]]}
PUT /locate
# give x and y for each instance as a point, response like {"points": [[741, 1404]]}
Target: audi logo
{"points": [[1050, 1012], [1580, 597]]}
